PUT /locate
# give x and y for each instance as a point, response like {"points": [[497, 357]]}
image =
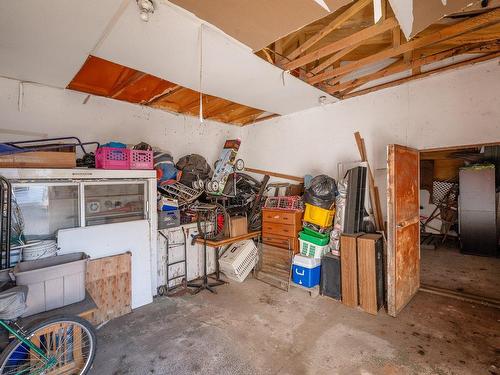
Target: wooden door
{"points": [[403, 226]]}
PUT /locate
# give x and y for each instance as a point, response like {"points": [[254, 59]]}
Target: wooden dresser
{"points": [[280, 228]]}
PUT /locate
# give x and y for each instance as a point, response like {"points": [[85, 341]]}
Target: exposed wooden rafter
{"points": [[105, 78], [356, 38], [446, 33], [338, 54], [338, 21], [425, 74]]}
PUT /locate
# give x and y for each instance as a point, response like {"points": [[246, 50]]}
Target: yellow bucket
{"points": [[319, 216]]}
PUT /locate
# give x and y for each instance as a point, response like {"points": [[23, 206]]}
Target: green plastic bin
{"points": [[314, 237]]}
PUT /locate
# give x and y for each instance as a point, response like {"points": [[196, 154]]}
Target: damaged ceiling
{"points": [[105, 78], [347, 54], [258, 23]]}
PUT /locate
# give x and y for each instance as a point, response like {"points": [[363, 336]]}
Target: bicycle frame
{"points": [[49, 362]]}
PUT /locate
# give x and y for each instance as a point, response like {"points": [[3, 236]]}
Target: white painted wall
{"points": [[46, 111], [453, 108]]}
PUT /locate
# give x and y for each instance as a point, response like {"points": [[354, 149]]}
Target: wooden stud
{"points": [[337, 22], [446, 33], [333, 59], [356, 38], [398, 67], [424, 74], [116, 91]]}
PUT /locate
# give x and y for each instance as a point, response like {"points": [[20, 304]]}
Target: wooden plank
{"points": [[332, 59], [403, 227], [337, 22], [375, 202], [349, 267], [275, 174], [446, 33], [228, 241], [423, 75], [358, 37], [108, 280], [39, 159], [163, 95], [367, 272], [401, 66], [116, 91]]}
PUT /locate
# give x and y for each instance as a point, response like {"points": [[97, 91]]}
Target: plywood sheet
{"points": [[403, 212], [349, 269], [108, 281], [367, 272], [258, 23]]}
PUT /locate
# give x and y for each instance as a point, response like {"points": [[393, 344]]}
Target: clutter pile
{"points": [[314, 238]]}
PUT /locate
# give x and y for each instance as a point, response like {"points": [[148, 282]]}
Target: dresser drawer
{"points": [[281, 241], [280, 229], [282, 217]]}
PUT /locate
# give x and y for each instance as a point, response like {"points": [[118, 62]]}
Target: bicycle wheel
{"points": [[69, 342]]}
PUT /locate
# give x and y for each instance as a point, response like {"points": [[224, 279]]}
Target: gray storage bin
{"points": [[53, 282], [169, 219]]}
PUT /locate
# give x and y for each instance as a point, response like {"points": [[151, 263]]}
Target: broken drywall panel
{"points": [[258, 23], [416, 15], [48, 42], [168, 46]]}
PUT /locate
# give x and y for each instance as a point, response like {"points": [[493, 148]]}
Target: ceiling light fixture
{"points": [[146, 8]]}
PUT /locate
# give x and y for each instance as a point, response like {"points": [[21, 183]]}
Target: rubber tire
{"points": [[57, 318], [239, 165]]}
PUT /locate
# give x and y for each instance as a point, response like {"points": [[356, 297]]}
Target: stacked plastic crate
{"points": [[315, 236]]}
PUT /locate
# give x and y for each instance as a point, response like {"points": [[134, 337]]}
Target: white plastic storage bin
{"points": [[306, 271], [239, 259], [53, 282], [312, 250]]}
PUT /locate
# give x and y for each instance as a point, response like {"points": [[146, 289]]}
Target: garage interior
{"points": [[253, 187]]}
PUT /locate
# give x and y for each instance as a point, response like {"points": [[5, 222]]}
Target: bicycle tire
{"points": [[38, 325]]}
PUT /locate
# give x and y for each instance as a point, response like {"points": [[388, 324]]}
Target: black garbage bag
{"points": [[194, 167], [322, 191]]}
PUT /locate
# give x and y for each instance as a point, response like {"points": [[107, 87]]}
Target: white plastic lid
{"points": [[307, 262]]}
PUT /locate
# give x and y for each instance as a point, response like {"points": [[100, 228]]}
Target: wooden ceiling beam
{"points": [[348, 41], [399, 67], [424, 74], [337, 22], [218, 111], [446, 33], [245, 114], [332, 60], [119, 89], [157, 98]]}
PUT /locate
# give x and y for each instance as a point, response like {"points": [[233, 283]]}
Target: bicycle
{"points": [[58, 345]]}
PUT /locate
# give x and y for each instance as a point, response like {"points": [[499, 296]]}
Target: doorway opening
{"points": [[460, 222]]}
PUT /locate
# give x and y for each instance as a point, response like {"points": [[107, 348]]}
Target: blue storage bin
{"points": [[306, 271]]}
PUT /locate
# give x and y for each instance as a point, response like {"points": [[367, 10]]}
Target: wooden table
{"points": [[218, 244]]}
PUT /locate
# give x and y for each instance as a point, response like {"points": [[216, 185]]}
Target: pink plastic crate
{"points": [[140, 159], [112, 158]]}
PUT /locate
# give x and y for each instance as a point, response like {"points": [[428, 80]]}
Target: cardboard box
{"points": [[237, 226]]}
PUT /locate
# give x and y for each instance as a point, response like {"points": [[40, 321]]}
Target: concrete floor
{"points": [[253, 328], [447, 268]]}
